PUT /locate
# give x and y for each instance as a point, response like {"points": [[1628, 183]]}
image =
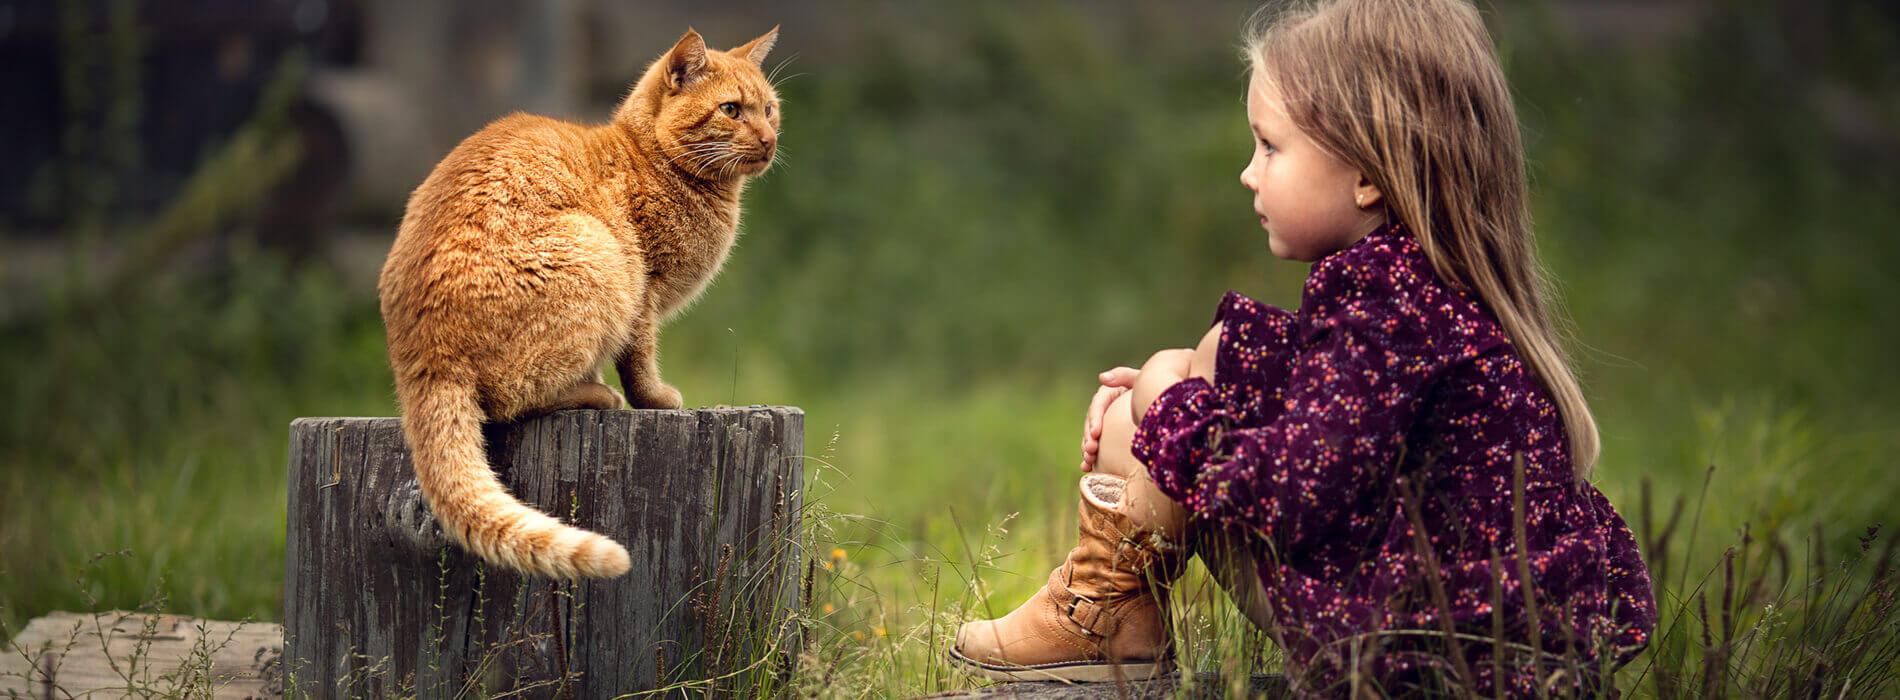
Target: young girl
{"points": [[1396, 471]]}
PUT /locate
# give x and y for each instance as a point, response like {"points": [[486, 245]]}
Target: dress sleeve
{"points": [[1257, 344], [1256, 348], [1350, 397]]}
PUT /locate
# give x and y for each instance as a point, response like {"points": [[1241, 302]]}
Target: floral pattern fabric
{"points": [[1389, 404]]}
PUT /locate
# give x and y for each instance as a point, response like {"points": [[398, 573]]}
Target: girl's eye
{"points": [[1270, 149], [730, 108]]}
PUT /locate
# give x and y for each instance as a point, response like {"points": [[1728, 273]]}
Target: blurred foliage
{"points": [[970, 220]]}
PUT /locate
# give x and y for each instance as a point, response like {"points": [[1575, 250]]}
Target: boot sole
{"points": [[1071, 672]]}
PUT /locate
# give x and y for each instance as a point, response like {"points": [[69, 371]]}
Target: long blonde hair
{"points": [[1410, 93]]}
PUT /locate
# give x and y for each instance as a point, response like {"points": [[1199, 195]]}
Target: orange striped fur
{"points": [[539, 249]]}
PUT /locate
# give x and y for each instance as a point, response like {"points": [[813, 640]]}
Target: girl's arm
{"points": [[1349, 399], [1121, 379]]}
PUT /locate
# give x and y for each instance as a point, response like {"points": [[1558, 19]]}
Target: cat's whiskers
{"points": [[693, 146], [714, 162], [728, 154], [773, 76], [699, 158], [777, 161], [731, 162], [782, 80], [690, 157], [694, 149], [703, 155], [718, 157]]}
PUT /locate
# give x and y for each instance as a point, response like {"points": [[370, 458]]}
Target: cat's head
{"points": [[713, 113]]}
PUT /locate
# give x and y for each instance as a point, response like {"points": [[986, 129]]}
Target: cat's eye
{"points": [[730, 108], [768, 111]]}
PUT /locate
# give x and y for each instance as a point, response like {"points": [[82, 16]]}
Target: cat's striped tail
{"points": [[443, 424]]}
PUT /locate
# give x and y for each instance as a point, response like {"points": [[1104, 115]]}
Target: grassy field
{"points": [[969, 223]]}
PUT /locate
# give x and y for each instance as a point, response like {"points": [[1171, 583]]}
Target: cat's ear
{"points": [[756, 49], [686, 63]]}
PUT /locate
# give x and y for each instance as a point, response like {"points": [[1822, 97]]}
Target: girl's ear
{"points": [[686, 62], [1365, 195], [756, 49]]}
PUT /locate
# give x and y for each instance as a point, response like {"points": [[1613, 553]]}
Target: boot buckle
{"points": [[1086, 614]]}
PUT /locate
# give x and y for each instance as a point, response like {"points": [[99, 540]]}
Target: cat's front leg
{"points": [[639, 367]]}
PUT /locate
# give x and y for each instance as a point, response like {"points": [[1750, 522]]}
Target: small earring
{"points": [[1359, 199]]}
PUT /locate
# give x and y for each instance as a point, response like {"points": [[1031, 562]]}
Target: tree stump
{"points": [[378, 602]]}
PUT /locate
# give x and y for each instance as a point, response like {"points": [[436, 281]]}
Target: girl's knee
{"points": [[1118, 423]]}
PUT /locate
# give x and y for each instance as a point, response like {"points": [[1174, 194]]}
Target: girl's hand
{"points": [[1167, 368], [1115, 382]]}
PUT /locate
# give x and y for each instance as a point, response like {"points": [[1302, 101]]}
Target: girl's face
{"points": [[1304, 196]]}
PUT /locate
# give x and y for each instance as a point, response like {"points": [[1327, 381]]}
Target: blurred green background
{"points": [[980, 205]]}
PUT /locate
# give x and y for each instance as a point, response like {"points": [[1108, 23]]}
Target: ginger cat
{"points": [[539, 248]]}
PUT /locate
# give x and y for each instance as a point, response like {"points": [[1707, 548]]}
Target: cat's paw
{"points": [[657, 396]]}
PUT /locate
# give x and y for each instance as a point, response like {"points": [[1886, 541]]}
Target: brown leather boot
{"points": [[1099, 618]]}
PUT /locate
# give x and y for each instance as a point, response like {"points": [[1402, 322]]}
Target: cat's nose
{"points": [[766, 142]]}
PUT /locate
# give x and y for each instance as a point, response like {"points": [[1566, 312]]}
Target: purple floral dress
{"points": [[1389, 382]]}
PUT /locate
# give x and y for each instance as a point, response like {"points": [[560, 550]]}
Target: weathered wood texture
{"points": [[707, 502], [128, 654]]}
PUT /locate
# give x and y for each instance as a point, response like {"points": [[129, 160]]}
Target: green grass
{"points": [[970, 223]]}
